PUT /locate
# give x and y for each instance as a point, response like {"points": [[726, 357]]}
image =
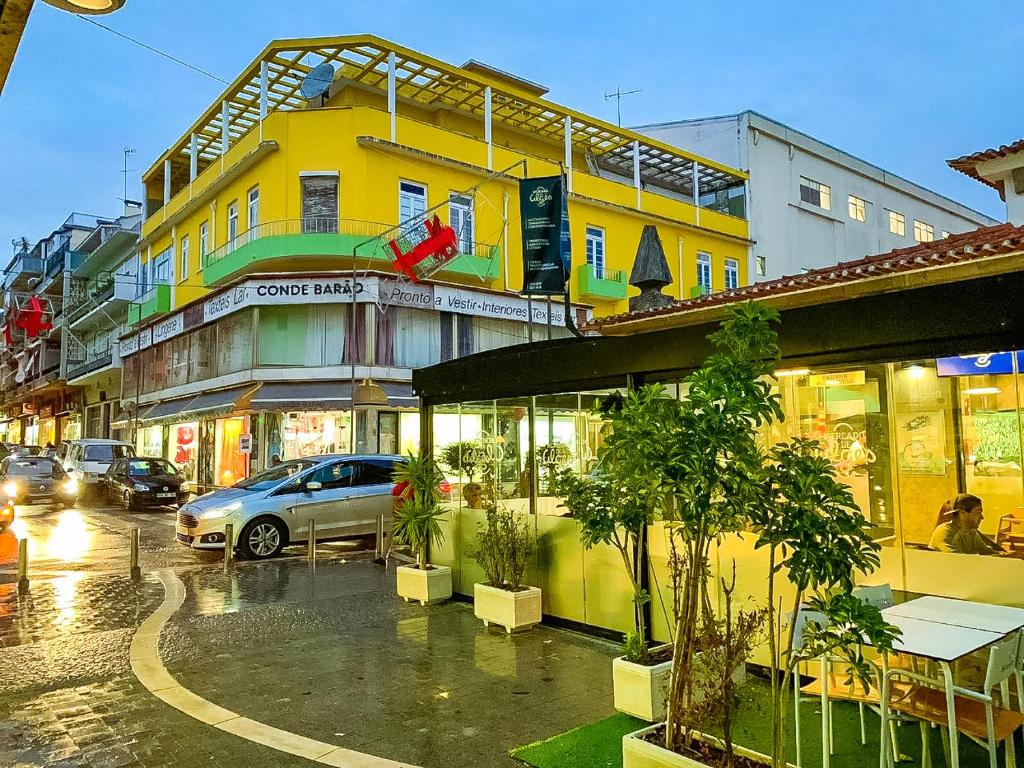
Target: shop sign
{"points": [[547, 250], [165, 329], [192, 316], [837, 379], [466, 302], [146, 338], [129, 345], [978, 365], [46, 412], [245, 443], [28, 409]]}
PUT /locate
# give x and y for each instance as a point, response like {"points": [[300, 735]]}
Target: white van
{"points": [[88, 460]]}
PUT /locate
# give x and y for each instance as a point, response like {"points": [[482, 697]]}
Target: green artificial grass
{"points": [[598, 745]]}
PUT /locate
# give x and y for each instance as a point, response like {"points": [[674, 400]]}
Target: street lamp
{"points": [[89, 7]]}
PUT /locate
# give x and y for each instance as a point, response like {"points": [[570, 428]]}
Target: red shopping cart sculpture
{"points": [[417, 256], [34, 318]]}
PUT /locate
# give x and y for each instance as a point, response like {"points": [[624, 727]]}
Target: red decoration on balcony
{"points": [[8, 333], [420, 260], [33, 319]]}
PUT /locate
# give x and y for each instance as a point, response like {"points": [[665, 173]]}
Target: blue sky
{"points": [[903, 84]]}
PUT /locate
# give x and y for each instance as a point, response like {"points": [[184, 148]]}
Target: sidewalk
{"points": [[330, 654]]}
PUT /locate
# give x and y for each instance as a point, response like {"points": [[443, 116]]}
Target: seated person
{"points": [[960, 534], [473, 495]]}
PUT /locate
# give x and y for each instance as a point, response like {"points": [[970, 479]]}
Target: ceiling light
{"points": [[368, 393], [982, 391], [793, 372], [88, 7]]}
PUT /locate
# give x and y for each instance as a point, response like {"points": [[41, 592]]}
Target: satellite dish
{"points": [[318, 82]]}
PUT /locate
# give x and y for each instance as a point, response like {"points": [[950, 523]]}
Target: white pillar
{"points": [[681, 273], [487, 128], [567, 130], [193, 162], [167, 181], [225, 132], [636, 171], [391, 94], [696, 189], [264, 93]]}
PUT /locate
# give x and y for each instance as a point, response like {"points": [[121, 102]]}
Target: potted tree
{"points": [[504, 547], [721, 481], [416, 512]]}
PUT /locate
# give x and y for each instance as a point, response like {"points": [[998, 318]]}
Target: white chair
{"points": [[977, 715]]}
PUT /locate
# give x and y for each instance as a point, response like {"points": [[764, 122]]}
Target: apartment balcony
{"points": [[23, 268], [61, 259], [92, 364], [696, 291], [317, 243], [155, 301], [601, 284], [106, 298]]}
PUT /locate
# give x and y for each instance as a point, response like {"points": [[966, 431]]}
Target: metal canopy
{"points": [[436, 85], [322, 396]]}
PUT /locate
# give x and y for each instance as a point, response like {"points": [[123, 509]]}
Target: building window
{"points": [[704, 272], [460, 216], [319, 193], [923, 233], [183, 267], [815, 193], [412, 204], [595, 250], [162, 268], [897, 224], [761, 265], [254, 208], [204, 240], [232, 221], [732, 274], [858, 209]]}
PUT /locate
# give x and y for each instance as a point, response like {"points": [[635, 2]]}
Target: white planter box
{"points": [[640, 689], [637, 753], [511, 610], [427, 585]]}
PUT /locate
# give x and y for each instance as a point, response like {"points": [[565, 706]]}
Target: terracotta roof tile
{"points": [[980, 243], [968, 164]]}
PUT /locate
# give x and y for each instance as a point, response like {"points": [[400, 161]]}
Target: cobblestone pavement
{"points": [[329, 653]]}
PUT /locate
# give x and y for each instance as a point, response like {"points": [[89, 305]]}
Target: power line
{"points": [[157, 51]]}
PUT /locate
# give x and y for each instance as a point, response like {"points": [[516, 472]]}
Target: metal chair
{"points": [[977, 715]]}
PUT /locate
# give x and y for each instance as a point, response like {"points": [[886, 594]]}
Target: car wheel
{"points": [[127, 501], [262, 538]]}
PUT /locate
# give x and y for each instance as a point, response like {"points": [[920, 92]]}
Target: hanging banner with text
{"points": [[547, 249]]}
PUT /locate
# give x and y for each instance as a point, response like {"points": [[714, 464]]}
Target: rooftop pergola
{"points": [[272, 83]]}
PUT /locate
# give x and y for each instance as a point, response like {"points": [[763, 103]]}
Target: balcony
{"points": [[305, 242], [601, 283], [23, 268], [61, 259], [696, 291], [93, 363], [483, 260], [105, 297], [155, 301]]}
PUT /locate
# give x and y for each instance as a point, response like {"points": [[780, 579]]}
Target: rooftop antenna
{"points": [[617, 94], [318, 83], [127, 151]]}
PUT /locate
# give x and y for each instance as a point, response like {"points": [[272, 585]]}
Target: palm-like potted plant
{"points": [[417, 510], [504, 547]]}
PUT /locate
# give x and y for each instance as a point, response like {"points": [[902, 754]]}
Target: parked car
{"points": [[345, 494], [26, 450], [144, 481], [36, 480], [88, 460]]}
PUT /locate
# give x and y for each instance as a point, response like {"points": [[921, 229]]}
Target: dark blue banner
{"points": [[547, 248]]}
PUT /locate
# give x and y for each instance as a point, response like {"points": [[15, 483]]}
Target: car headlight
{"points": [[71, 486], [11, 488], [141, 487], [219, 512]]}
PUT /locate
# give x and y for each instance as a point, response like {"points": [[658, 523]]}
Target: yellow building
{"points": [[273, 205]]}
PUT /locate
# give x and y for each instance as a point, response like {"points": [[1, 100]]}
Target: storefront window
{"points": [[184, 449], [408, 433], [150, 441], [230, 464], [177, 353], [306, 335], [310, 434], [234, 343], [202, 352]]}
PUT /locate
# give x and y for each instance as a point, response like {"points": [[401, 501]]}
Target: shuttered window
{"points": [[319, 204]]}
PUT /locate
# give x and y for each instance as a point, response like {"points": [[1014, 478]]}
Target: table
{"points": [[960, 613], [945, 630]]}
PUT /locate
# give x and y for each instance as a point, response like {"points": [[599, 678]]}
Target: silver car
{"points": [[346, 495]]}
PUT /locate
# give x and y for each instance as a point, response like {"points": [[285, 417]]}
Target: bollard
{"points": [[229, 547], [378, 549], [23, 566], [135, 572], [311, 541]]}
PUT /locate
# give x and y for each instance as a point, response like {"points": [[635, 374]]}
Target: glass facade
{"points": [[905, 437]]}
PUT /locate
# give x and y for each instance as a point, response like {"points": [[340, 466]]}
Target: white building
{"points": [[812, 205]]}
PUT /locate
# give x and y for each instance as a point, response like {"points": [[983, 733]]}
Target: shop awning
{"points": [[323, 396], [194, 406], [166, 408]]}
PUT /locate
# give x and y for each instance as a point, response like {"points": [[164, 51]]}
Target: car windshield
{"points": [[145, 467], [33, 468], [106, 452], [268, 478]]}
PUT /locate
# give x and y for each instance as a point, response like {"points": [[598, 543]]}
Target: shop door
{"points": [[387, 432]]}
